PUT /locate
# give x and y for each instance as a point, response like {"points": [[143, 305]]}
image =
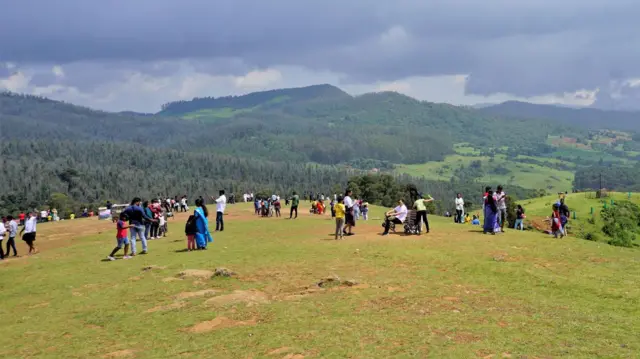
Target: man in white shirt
{"points": [[29, 231], [459, 209], [397, 216], [221, 204], [350, 221]]}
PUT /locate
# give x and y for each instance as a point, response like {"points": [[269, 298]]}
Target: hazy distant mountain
{"points": [[583, 117]]}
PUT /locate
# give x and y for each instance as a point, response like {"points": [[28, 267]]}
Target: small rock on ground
{"points": [[223, 272]]}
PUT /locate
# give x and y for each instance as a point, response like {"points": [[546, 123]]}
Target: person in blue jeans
{"points": [[147, 225], [137, 218]]}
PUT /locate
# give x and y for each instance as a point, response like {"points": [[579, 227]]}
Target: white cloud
{"points": [[57, 71], [258, 79]]}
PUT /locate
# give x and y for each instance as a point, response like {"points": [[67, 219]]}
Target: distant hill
{"points": [[583, 117], [229, 106]]}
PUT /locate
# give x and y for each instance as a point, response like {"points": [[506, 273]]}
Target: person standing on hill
{"points": [[202, 236], [221, 204], [350, 220], [339, 210], [491, 224], [295, 201], [13, 232], [21, 217], [420, 205], [137, 218], [29, 231], [519, 218], [501, 202], [459, 208]]}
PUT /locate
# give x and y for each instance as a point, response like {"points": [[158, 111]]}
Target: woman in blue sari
{"points": [[202, 223], [491, 215]]}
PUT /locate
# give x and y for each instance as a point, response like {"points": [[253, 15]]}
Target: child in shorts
{"points": [[121, 237], [190, 230]]}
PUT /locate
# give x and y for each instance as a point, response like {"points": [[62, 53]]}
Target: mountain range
{"points": [[312, 138]]}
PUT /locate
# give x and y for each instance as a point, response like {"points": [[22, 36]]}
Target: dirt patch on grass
{"points": [[200, 293], [195, 273], [293, 356], [219, 323], [248, 297], [39, 305], [163, 308], [126, 353], [278, 351]]}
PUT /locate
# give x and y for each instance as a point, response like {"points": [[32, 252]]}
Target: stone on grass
{"points": [[223, 272]]}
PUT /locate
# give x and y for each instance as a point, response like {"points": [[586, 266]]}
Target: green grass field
{"points": [[454, 293], [526, 175]]}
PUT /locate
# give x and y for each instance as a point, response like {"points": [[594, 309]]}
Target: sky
{"points": [[136, 55]]}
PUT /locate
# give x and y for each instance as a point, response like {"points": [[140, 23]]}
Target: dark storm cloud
{"points": [[518, 47]]}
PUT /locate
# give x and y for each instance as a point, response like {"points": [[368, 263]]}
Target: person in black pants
{"points": [[396, 215], [295, 200], [13, 232], [421, 212]]}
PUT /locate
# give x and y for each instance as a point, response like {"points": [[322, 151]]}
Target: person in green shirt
{"points": [[420, 205], [295, 200]]}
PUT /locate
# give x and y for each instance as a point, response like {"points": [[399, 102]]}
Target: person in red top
{"points": [[21, 217], [122, 238]]}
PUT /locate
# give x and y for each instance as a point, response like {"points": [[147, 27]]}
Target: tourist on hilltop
{"points": [[156, 210], [13, 232], [420, 205], [491, 212], [29, 231], [21, 217], [257, 204], [501, 202], [276, 206], [121, 238], [147, 224], [350, 221], [396, 215], [459, 202], [3, 232], [183, 204], [519, 218], [340, 213], [202, 236], [221, 205], [295, 201], [365, 211], [356, 210], [137, 218], [556, 222]]}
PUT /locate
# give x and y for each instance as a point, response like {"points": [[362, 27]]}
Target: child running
{"points": [[121, 238], [340, 210]]}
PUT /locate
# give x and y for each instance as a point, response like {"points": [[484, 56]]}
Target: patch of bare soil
{"points": [[249, 297], [200, 293], [219, 323], [170, 279], [195, 273], [126, 353], [293, 356], [163, 308], [40, 305], [152, 267], [278, 351]]}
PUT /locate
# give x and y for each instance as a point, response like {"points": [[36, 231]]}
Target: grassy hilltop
{"points": [[454, 293]]}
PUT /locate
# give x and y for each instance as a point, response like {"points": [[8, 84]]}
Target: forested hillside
{"points": [[304, 139], [581, 117]]}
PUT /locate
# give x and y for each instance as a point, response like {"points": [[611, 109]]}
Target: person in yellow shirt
{"points": [[341, 212]]}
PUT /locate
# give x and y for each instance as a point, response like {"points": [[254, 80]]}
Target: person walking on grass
{"points": [[13, 232], [221, 204], [340, 214], [137, 218], [276, 206], [295, 201], [122, 239], [29, 231], [459, 209], [501, 203], [556, 222], [519, 218], [491, 213]]}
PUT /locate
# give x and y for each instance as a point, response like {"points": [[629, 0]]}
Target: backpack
{"points": [[191, 227]]}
